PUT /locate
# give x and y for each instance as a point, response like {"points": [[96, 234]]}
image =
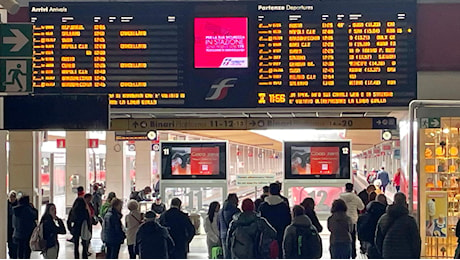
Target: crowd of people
{"points": [[264, 228]]}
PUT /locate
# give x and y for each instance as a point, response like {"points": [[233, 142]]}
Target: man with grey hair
{"points": [[397, 235]]}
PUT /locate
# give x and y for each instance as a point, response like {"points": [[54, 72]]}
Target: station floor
{"points": [[198, 248]]}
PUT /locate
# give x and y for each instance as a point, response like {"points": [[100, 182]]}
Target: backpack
{"points": [[364, 229], [242, 244], [36, 242], [134, 195], [309, 243]]}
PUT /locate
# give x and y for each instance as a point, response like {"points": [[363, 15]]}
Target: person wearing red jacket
{"points": [[397, 180]]}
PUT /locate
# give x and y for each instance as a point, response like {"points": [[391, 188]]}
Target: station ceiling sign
{"points": [[147, 124]]}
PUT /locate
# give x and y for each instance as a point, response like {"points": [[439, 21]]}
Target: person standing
{"points": [[180, 227], [210, 227], [78, 215], [113, 229], [364, 194], [266, 192], [309, 206], [158, 207], [133, 221], [277, 213], [340, 226], [12, 247], [52, 226], [229, 209], [97, 200], [383, 176], [249, 236], [80, 191], [397, 234], [301, 226], [153, 240], [397, 180], [25, 218], [105, 207], [354, 204], [367, 224]]}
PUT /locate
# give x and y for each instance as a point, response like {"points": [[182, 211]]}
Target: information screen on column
{"points": [[228, 54]]}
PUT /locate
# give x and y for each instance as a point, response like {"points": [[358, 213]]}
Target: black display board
{"points": [[228, 54]]}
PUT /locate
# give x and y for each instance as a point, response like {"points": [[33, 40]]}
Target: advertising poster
{"points": [[323, 196], [436, 214], [195, 160], [315, 160], [325, 160], [300, 160], [204, 160], [221, 42]]}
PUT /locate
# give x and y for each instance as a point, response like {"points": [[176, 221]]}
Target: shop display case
{"points": [[439, 189]]}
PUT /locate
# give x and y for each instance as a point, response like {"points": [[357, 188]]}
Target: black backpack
{"points": [[309, 243], [134, 195]]}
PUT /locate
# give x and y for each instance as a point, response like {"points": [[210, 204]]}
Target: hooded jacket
{"points": [[290, 242], [153, 241], [339, 224], [397, 235], [113, 229], [225, 217], [354, 204], [24, 221], [252, 226], [277, 213], [367, 223]]}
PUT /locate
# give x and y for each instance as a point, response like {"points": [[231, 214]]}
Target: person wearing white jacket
{"points": [[133, 221], [354, 203], [210, 227]]}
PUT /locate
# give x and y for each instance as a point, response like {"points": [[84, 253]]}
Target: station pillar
{"points": [[143, 164], [24, 160], [76, 164], [3, 191], [115, 176]]}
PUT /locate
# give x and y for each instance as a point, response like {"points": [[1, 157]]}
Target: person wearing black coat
{"points": [[25, 218], [397, 235], [277, 213], [180, 227], [113, 229], [229, 209], [309, 206], [367, 224], [12, 247], [51, 231], [77, 215], [158, 207], [153, 240]]}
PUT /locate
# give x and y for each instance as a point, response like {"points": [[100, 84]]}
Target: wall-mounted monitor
{"points": [[194, 160], [317, 160]]}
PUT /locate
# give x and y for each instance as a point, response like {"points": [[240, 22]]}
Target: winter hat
{"points": [[133, 205], [150, 214], [247, 205]]}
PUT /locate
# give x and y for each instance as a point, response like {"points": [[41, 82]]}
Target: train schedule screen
{"points": [[228, 54]]}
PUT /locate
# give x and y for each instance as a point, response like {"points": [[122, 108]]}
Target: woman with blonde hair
{"points": [[133, 220]]}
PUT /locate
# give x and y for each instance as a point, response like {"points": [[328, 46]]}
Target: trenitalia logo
{"points": [[219, 90]]}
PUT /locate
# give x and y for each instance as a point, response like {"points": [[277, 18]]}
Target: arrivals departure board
{"points": [[244, 54]]}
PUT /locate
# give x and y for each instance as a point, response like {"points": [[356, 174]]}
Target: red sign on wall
{"points": [[60, 143], [93, 143]]}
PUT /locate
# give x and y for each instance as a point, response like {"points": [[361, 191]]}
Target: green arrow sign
{"points": [[16, 40]]}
